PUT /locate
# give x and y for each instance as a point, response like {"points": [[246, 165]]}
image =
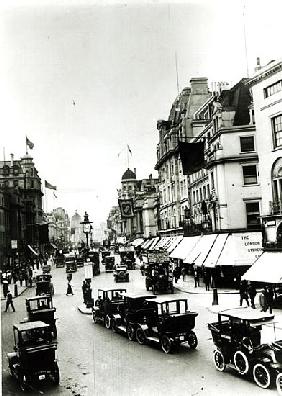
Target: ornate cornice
{"points": [[266, 73]]}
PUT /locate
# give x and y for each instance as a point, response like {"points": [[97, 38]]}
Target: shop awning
{"points": [[184, 247], [267, 268], [154, 243], [175, 242], [137, 242], [216, 250], [32, 250], [198, 255], [241, 249], [161, 243], [146, 244]]}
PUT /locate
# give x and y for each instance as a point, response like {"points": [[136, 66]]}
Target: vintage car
{"points": [[71, 263], [168, 323], [46, 268], [121, 274], [106, 305], [246, 340], [109, 263], [44, 285], [159, 277], [34, 357], [104, 254], [79, 261], [95, 259], [131, 313], [41, 309], [60, 261], [127, 258]]}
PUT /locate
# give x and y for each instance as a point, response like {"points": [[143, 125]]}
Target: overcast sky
{"points": [[82, 79]]}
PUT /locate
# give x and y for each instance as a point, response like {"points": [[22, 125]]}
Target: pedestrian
{"points": [[252, 293], [69, 289], [5, 286], [183, 273], [207, 279], [244, 293], [263, 300], [270, 299], [9, 301], [196, 277]]}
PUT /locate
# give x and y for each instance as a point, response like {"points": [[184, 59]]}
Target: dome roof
{"points": [[128, 174]]}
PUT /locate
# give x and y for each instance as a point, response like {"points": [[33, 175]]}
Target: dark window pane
{"points": [[247, 144], [250, 174]]}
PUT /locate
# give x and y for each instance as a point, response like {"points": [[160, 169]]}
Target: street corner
{"points": [[82, 309]]}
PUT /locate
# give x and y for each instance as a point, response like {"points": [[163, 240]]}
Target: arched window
{"points": [[276, 176]]}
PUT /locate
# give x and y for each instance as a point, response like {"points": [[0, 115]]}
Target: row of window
{"points": [[273, 89]]}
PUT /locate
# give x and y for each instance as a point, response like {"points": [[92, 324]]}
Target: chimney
{"points": [[12, 159], [258, 66], [199, 85], [150, 176], [135, 171]]}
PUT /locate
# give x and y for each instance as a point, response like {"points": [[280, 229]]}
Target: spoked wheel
{"points": [[279, 383], [56, 375], [262, 375], [114, 325], [192, 340], [130, 332], [218, 360], [23, 382], [241, 362], [166, 344], [140, 336], [108, 322]]}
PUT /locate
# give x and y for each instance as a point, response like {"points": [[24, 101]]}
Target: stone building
{"points": [[76, 230], [59, 228]]}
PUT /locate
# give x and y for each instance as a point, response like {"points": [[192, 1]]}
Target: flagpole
{"points": [[127, 157], [26, 146]]}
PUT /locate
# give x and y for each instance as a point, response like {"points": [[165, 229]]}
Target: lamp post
{"points": [[86, 226]]}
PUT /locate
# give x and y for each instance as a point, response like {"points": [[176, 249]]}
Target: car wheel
{"points": [[130, 331], [192, 340], [108, 322], [241, 362], [23, 382], [262, 375], [56, 375], [140, 336], [218, 360], [279, 383], [95, 319], [166, 344]]}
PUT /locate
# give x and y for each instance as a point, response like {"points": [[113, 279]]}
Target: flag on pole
{"points": [[29, 143], [55, 195], [48, 185], [129, 149]]}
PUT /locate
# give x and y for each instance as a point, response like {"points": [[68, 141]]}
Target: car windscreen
{"points": [[34, 336]]}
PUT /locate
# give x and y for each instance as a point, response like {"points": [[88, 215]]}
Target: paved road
{"points": [[96, 361]]}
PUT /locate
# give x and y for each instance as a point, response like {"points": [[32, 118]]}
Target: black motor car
{"points": [[121, 274], [107, 304], [168, 323], [109, 263], [44, 284], [95, 259], [127, 258], [60, 261], [131, 313], [159, 277], [41, 309], [104, 254], [71, 263], [246, 340], [34, 357], [79, 261]]}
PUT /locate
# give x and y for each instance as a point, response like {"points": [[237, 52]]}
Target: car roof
{"points": [[121, 267], [140, 295], [164, 299], [246, 314], [39, 297], [30, 325], [107, 290]]}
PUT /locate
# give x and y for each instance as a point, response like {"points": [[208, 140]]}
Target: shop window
{"points": [[250, 174], [277, 130], [247, 144], [252, 212]]}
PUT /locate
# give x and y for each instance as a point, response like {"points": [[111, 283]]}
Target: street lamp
{"points": [[86, 226]]}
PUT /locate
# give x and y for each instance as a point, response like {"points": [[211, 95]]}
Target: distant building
{"points": [[76, 229], [59, 228]]}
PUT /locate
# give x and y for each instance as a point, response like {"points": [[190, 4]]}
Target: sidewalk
{"points": [[21, 289], [188, 286]]}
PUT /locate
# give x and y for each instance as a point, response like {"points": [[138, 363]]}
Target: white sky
{"points": [[117, 62]]}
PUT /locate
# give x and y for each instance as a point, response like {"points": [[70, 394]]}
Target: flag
{"points": [[48, 185], [29, 143], [55, 195], [129, 149], [192, 157], [126, 208]]}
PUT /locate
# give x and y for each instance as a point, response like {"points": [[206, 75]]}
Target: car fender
{"points": [[116, 317], [144, 327]]}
